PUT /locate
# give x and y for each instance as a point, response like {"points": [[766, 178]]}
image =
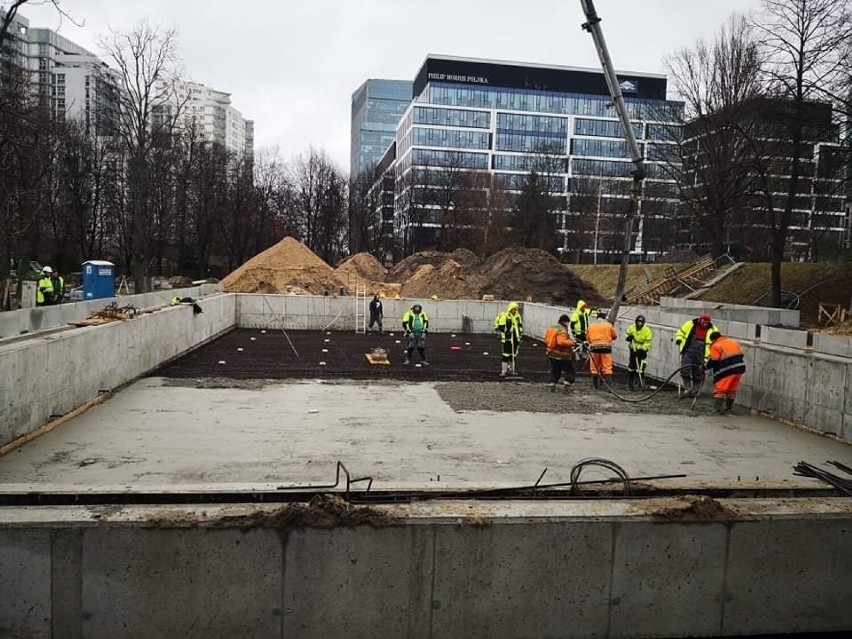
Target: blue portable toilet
{"points": [[98, 279]]}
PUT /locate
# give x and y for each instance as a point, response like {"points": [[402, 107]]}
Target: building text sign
{"points": [[453, 77]]}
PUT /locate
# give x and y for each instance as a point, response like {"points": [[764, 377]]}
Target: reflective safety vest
{"points": [[559, 344], [726, 358], [580, 320], [44, 291], [686, 333], [601, 334], [641, 337], [415, 322], [510, 326]]}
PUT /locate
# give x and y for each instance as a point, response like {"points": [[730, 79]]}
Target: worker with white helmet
{"points": [[44, 290]]}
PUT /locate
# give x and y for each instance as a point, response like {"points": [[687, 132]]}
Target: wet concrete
{"points": [[404, 434]]}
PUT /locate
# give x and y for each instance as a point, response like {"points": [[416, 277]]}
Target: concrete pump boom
{"points": [[593, 26]]}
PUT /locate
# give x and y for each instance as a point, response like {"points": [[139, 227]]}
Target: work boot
{"points": [[425, 363], [718, 406], [406, 362], [504, 368], [607, 382], [595, 381], [729, 404], [631, 377], [552, 387]]}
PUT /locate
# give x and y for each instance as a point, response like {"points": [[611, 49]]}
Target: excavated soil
{"points": [[291, 267], [514, 273], [364, 265], [695, 508], [323, 511]]}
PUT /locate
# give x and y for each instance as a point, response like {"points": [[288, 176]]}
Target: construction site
{"points": [[255, 470]]}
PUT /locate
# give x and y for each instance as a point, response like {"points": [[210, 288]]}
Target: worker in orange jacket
{"points": [[601, 334], [560, 352], [728, 365]]}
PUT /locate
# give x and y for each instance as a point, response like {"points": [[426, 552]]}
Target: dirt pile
{"points": [[364, 265], [286, 267], [513, 273], [521, 273], [449, 280]]}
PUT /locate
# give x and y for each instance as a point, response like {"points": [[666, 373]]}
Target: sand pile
{"points": [[286, 267], [449, 280], [364, 265], [513, 273]]}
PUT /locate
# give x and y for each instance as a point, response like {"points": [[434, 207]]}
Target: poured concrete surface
{"points": [[154, 435]]}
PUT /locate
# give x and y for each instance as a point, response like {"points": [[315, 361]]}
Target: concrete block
{"points": [[772, 588], [668, 580], [548, 581], [839, 345], [341, 581], [739, 330], [784, 337], [128, 573], [25, 595]]}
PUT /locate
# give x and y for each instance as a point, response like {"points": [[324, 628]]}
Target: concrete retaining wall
{"points": [[733, 312], [338, 313], [597, 569], [52, 375], [28, 320]]}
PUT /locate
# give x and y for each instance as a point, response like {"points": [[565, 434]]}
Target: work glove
{"points": [[641, 352], [629, 339], [677, 342]]}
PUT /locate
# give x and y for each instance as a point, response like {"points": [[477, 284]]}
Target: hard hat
{"points": [[47, 269], [640, 318]]}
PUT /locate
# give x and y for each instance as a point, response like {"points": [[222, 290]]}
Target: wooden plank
{"points": [[56, 423]]}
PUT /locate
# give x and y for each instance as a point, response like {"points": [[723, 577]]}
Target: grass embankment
{"points": [[604, 277]]}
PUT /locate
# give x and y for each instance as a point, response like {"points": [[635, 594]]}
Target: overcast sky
{"points": [[291, 66]]}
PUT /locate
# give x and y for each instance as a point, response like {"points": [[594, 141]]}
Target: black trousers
{"points": [[637, 361], [558, 367]]}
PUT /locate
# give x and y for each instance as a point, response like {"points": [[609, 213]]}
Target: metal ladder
{"points": [[360, 288]]}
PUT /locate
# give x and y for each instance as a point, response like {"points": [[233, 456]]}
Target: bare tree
{"points": [[705, 153], [533, 219], [319, 199], [806, 44], [145, 59]]}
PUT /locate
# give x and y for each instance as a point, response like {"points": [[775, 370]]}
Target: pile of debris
{"points": [[513, 273]]}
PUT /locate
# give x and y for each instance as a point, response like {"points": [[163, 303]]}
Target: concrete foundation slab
{"points": [[404, 434]]}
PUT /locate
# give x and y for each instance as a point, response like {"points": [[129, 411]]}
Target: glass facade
{"points": [[506, 131], [377, 107]]}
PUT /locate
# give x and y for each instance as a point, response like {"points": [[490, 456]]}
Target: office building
{"points": [[504, 119], [745, 154], [377, 107]]}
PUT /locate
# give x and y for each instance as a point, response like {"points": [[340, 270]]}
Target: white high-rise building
{"points": [[73, 82], [212, 113]]}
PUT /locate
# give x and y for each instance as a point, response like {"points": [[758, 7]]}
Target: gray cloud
{"points": [[292, 66]]}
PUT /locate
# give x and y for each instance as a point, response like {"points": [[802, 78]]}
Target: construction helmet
{"points": [[47, 270]]}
